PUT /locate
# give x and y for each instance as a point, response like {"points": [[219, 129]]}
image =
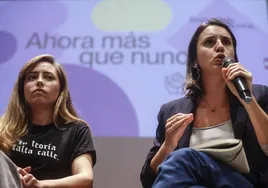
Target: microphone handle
{"points": [[242, 89]]}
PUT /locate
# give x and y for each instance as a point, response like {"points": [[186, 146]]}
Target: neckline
{"points": [[34, 128], [36, 125], [213, 126]]}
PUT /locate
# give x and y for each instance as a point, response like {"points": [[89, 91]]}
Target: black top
{"points": [[50, 151]]}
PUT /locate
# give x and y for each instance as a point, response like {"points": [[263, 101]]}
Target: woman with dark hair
{"points": [[41, 131], [211, 110]]}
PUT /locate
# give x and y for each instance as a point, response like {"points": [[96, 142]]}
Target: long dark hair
{"points": [[193, 84]]}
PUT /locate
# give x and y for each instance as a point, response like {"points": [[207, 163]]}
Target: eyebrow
{"points": [[46, 72], [36, 72], [212, 36]]}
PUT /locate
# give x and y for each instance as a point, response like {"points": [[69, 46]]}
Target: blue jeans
{"points": [[189, 168]]}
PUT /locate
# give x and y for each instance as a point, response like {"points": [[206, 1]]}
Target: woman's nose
{"points": [[220, 46], [40, 81]]}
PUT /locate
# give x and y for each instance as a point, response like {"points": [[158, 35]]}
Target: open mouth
{"points": [[219, 58]]}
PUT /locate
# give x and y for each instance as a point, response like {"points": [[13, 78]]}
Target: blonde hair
{"points": [[13, 123]]}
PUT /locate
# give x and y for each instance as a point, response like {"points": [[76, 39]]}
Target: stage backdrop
{"points": [[124, 59]]}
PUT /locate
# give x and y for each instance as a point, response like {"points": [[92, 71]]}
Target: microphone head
{"points": [[226, 61]]}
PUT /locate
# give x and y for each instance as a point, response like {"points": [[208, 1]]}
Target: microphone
{"points": [[239, 82]]}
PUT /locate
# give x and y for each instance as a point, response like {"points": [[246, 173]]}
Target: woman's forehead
{"points": [[43, 67], [214, 30]]}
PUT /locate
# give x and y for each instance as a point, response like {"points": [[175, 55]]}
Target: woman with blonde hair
{"points": [[41, 131]]}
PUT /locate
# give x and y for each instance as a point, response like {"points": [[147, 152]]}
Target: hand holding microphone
{"points": [[239, 77]]}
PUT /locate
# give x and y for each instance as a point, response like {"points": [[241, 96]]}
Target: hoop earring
{"points": [[198, 72]]}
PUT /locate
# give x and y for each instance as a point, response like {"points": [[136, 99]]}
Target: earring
{"points": [[198, 74]]}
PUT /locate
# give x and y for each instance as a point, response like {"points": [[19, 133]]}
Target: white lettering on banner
{"points": [[116, 50]]}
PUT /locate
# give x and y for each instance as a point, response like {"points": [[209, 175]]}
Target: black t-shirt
{"points": [[50, 151]]}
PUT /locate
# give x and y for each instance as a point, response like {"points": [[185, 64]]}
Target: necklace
{"points": [[213, 109]]}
